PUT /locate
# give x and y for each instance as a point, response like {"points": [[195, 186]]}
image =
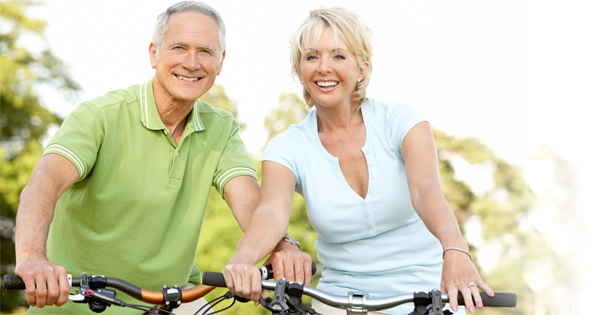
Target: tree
{"points": [[23, 120]]}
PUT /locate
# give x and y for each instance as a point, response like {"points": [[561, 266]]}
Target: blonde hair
{"points": [[346, 26]]}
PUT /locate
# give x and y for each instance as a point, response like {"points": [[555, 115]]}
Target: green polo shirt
{"points": [[136, 210]]}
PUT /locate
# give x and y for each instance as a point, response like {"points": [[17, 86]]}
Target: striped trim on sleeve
{"points": [[231, 173], [63, 151]]}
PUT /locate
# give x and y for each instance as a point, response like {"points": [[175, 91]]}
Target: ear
{"points": [[221, 63], [152, 50], [363, 67]]}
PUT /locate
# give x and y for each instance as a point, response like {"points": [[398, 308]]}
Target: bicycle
{"points": [[287, 298]]}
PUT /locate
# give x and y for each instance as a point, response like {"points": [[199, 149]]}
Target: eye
{"points": [[339, 57], [311, 57]]}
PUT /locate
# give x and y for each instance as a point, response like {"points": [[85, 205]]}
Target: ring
{"points": [[472, 284]]}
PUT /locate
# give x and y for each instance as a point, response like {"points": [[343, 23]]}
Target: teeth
{"points": [[187, 79], [327, 84]]}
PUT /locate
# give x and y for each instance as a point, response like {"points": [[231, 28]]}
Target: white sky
{"points": [[513, 73]]}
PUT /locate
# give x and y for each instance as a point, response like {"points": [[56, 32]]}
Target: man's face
{"points": [[189, 58]]}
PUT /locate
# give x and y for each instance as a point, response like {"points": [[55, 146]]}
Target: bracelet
{"points": [[291, 240], [458, 249]]}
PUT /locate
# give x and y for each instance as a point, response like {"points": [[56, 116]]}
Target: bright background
{"points": [[515, 74]]}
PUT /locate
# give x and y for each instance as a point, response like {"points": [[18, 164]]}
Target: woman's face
{"points": [[329, 71]]}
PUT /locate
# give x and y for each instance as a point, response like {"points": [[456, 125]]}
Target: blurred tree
{"points": [[492, 201], [291, 110], [23, 119]]}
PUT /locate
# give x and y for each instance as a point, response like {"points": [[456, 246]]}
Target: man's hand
{"points": [[290, 263], [45, 282]]}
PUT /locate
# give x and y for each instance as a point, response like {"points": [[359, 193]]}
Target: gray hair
{"points": [[186, 6]]}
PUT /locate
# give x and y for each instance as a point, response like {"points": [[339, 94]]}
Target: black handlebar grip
{"points": [[13, 282], [498, 300], [214, 279]]}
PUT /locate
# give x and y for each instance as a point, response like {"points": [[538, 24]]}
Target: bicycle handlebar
{"points": [[14, 282], [371, 304]]}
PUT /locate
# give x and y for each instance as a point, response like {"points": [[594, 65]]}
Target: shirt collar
{"points": [[149, 113]]}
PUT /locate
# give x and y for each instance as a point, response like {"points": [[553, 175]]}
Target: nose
{"points": [[192, 60], [324, 66]]}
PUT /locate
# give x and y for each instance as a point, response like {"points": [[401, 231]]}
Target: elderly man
{"points": [[122, 187]]}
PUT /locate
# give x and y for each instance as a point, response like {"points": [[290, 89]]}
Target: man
{"points": [[122, 187]]}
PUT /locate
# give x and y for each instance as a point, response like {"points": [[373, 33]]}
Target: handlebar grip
{"points": [[214, 279], [498, 300], [13, 282]]}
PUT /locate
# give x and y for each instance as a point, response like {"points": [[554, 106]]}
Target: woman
{"points": [[367, 170]]}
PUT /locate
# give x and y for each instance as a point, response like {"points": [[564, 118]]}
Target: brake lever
{"points": [[78, 298], [279, 301]]}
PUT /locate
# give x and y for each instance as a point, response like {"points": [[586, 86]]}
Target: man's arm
{"points": [[241, 194], [46, 283]]}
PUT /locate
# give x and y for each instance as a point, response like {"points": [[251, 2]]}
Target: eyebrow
{"points": [[207, 47], [309, 50]]}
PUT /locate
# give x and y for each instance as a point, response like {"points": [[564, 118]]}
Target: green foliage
{"points": [[23, 121], [291, 110], [498, 210]]}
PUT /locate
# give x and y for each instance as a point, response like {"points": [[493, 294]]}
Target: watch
{"points": [[291, 240]]}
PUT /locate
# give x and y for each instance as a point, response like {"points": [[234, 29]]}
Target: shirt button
{"points": [[366, 214], [363, 203], [370, 225], [370, 192], [372, 176], [366, 151]]}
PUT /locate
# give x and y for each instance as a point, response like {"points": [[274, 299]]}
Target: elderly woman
{"points": [[367, 170]]}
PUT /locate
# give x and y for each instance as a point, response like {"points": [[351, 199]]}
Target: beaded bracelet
{"points": [[458, 249]]}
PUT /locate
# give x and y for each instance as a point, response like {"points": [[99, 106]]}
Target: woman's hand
{"points": [[459, 274], [243, 279]]}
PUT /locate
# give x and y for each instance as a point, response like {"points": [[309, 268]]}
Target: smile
{"points": [[187, 79], [327, 83]]}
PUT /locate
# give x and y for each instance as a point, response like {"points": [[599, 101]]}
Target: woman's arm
{"points": [[420, 155], [267, 227]]}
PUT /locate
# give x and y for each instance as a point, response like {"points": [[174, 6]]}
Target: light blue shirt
{"points": [[377, 244]]}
